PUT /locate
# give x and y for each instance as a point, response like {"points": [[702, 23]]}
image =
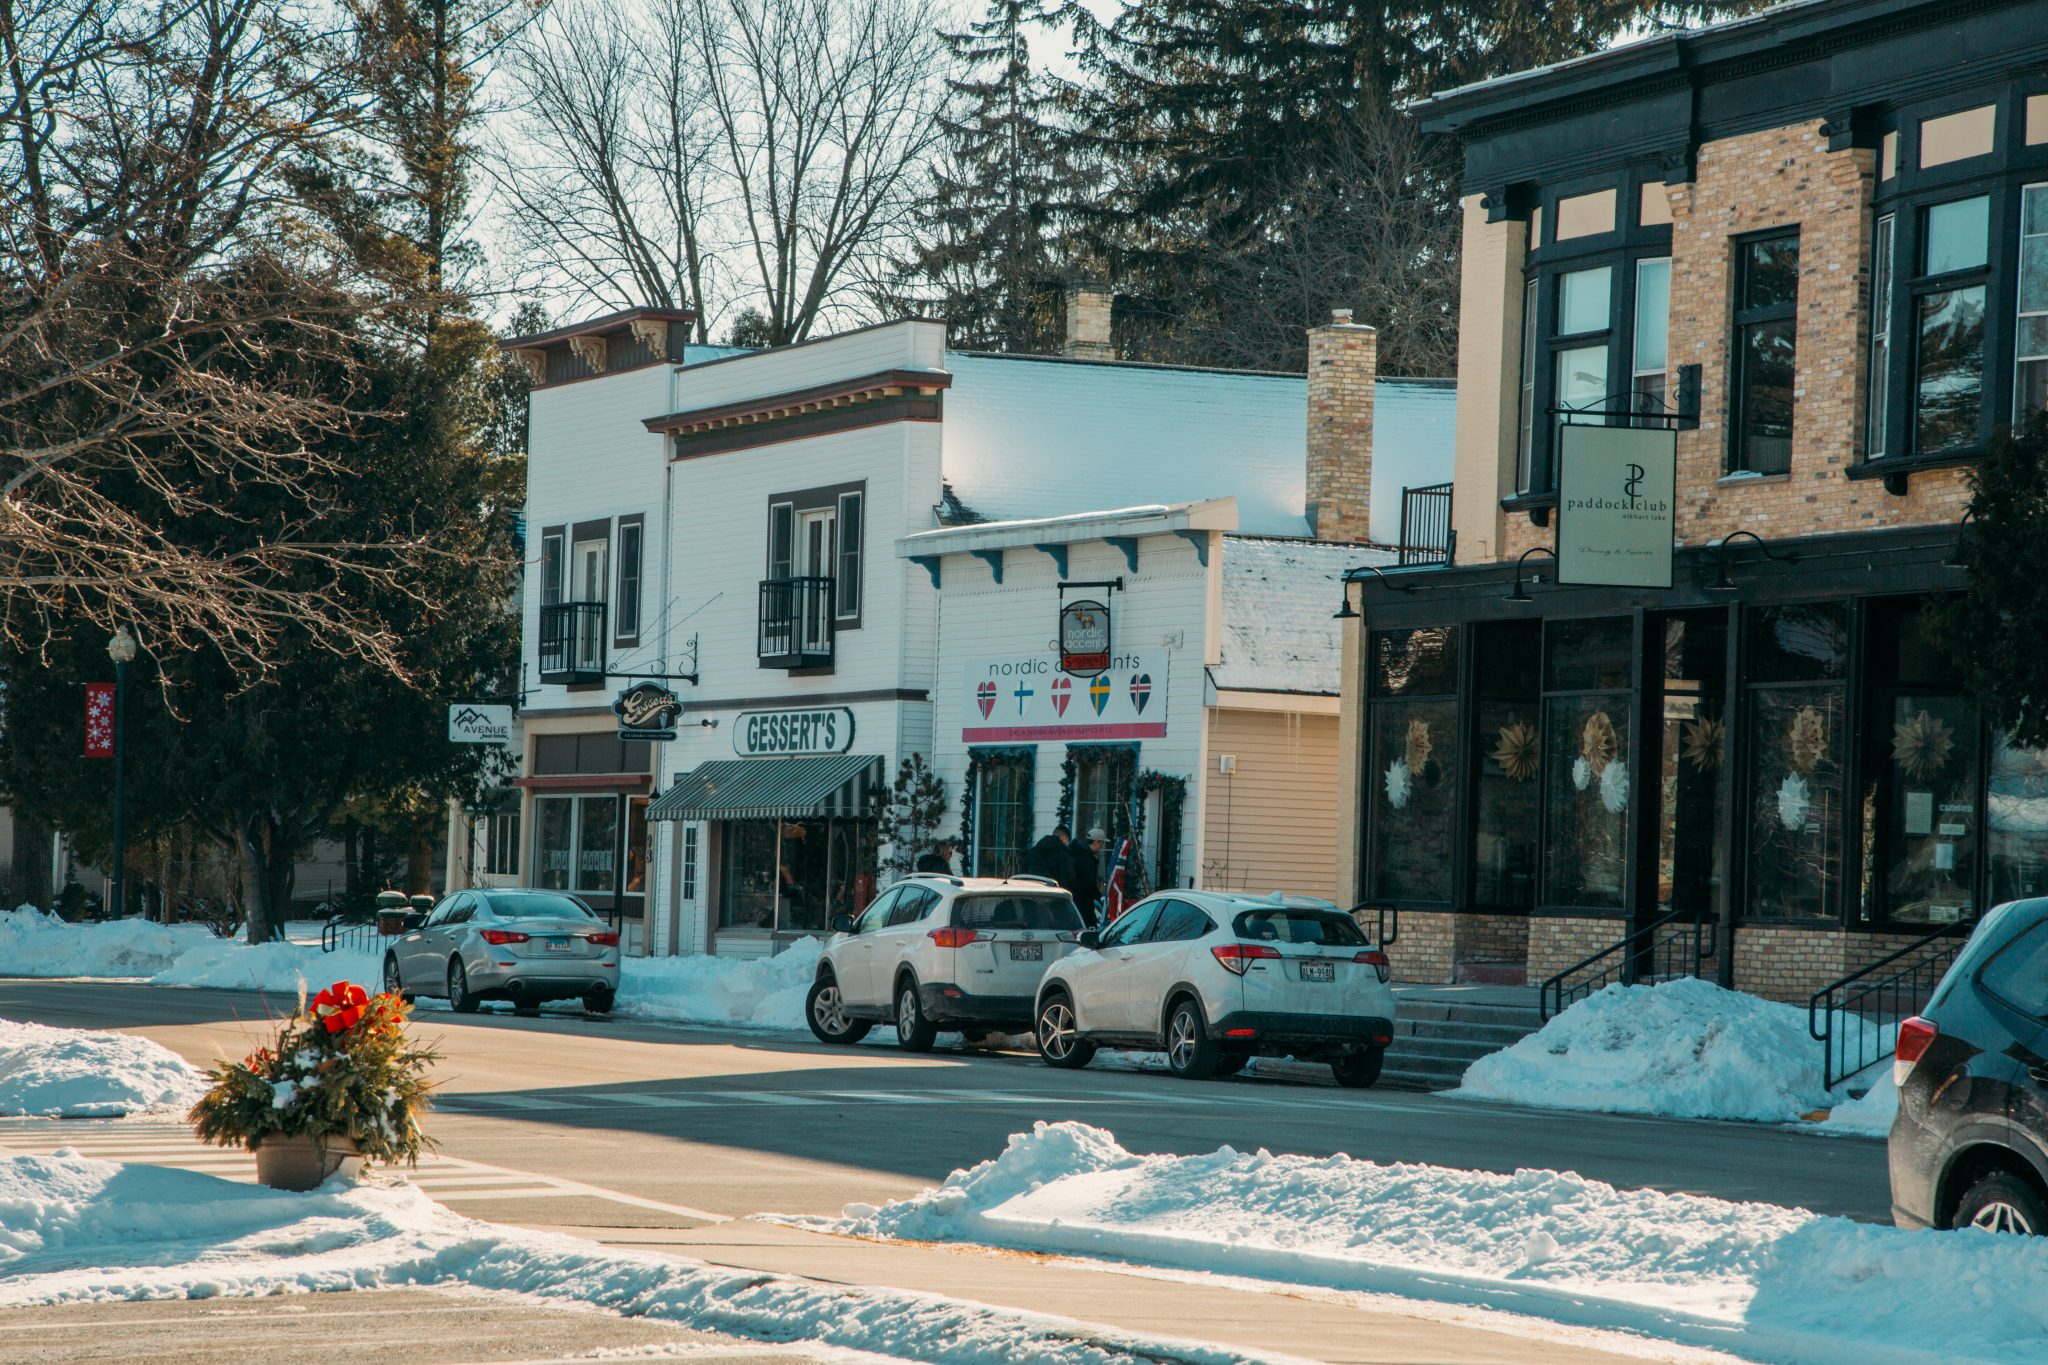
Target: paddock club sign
{"points": [[1027, 698], [812, 730], [1615, 499]]}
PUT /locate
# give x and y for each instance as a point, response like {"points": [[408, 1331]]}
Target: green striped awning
{"points": [[771, 788]]}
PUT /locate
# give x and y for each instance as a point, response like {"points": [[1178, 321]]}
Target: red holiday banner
{"points": [[99, 720]]}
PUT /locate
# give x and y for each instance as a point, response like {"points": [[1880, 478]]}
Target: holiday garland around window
{"points": [[970, 791], [1123, 776]]}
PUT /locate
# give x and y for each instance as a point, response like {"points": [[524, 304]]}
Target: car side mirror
{"points": [[1089, 938], [842, 924], [414, 920]]}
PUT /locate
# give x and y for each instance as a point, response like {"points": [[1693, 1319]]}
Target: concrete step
{"points": [[1499, 1035], [1436, 1040], [1460, 1050]]}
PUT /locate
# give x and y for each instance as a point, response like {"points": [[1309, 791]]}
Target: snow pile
{"points": [[1685, 1048], [73, 1229], [1754, 1279], [36, 944], [81, 1073], [759, 992]]}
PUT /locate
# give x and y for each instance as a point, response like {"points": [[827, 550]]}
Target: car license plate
{"points": [[1318, 971], [558, 945], [1027, 952]]}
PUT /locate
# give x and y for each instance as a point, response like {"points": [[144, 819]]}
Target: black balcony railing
{"points": [[572, 642], [1426, 524], [796, 622]]}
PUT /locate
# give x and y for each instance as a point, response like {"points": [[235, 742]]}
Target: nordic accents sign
{"points": [[812, 730], [1027, 697], [1616, 497]]}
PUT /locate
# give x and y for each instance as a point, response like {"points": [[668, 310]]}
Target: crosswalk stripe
{"points": [[654, 1101]]}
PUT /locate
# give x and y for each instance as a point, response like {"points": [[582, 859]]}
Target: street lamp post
{"points": [[121, 649]]}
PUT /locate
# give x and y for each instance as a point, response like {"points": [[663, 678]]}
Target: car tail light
{"points": [[953, 937], [1915, 1035], [605, 940], [1238, 957], [498, 938], [1377, 960]]}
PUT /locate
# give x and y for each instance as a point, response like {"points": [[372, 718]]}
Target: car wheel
{"points": [[459, 998], [825, 1009], [2003, 1202], [392, 983], [1357, 1070], [914, 1032], [1059, 1036], [1190, 1051], [1230, 1063], [598, 1002]]}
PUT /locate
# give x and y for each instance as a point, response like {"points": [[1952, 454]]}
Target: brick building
{"points": [[1811, 244]]}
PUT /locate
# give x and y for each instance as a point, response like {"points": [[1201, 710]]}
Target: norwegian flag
{"points": [[99, 720], [1114, 901]]}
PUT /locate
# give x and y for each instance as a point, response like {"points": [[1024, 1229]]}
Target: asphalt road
{"points": [[730, 1123]]}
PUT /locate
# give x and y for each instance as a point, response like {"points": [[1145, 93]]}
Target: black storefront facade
{"points": [[1775, 746]]}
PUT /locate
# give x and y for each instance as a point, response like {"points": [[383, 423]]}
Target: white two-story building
{"points": [[728, 524]]}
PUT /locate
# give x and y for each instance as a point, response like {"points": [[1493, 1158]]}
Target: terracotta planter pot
{"points": [[303, 1162]]}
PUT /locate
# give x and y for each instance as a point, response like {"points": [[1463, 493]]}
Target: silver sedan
{"points": [[527, 947]]}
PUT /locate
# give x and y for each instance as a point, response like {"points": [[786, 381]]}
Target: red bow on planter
{"points": [[340, 1006]]}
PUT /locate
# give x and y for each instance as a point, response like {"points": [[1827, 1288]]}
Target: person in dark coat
{"points": [[938, 858], [1049, 857], [1086, 886]]}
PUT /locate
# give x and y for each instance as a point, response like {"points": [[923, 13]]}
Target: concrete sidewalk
{"points": [[1308, 1324]]}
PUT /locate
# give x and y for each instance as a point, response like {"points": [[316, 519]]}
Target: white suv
{"points": [[939, 952], [1217, 979]]}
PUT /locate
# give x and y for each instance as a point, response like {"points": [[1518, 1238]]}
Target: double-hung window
{"points": [[2030, 350], [1765, 362], [1948, 324], [846, 576], [1579, 340], [1652, 334], [626, 604], [1881, 273]]}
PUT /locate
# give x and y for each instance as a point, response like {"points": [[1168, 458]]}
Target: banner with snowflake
{"points": [[99, 720]]}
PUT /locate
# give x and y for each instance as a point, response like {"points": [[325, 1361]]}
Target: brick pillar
{"points": [[1343, 364], [1088, 323]]}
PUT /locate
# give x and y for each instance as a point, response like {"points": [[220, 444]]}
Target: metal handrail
{"points": [[1635, 947], [334, 936], [1878, 1003], [1388, 921]]}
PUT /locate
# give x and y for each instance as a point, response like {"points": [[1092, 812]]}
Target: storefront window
{"points": [[636, 845], [1921, 765], [2016, 822], [1590, 655], [1508, 673], [1002, 814], [1586, 786], [1797, 656], [796, 876], [1105, 784], [554, 820], [597, 845], [749, 864], [1412, 763], [1692, 827]]}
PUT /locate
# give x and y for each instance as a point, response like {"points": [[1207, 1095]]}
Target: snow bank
{"points": [[80, 1073], [73, 1229], [1686, 1048], [36, 944], [1754, 1279], [760, 992]]}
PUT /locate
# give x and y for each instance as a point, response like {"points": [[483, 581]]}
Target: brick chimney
{"points": [[1088, 323], [1343, 363]]}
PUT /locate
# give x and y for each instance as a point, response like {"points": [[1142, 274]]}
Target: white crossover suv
{"points": [[936, 952], [1217, 979]]}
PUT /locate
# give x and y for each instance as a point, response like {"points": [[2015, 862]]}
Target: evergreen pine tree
{"points": [[909, 815], [996, 219]]}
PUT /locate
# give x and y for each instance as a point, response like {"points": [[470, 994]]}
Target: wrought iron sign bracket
{"points": [[1107, 584]]}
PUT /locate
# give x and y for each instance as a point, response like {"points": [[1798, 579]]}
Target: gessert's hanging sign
{"points": [[806, 730], [1616, 498], [1084, 638], [1027, 698], [647, 711]]}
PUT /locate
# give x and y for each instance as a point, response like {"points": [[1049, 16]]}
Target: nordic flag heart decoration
{"points": [[1141, 691], [985, 698], [1098, 692], [1062, 693]]}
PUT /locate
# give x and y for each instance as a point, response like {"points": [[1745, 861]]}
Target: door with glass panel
{"points": [[816, 549], [1685, 837]]}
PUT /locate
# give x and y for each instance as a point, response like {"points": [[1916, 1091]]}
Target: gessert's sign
{"points": [[647, 711], [475, 723], [1027, 697], [812, 730], [1616, 498]]}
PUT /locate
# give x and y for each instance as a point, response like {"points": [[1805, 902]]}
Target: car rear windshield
{"points": [[538, 905], [1016, 912], [1323, 928]]}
